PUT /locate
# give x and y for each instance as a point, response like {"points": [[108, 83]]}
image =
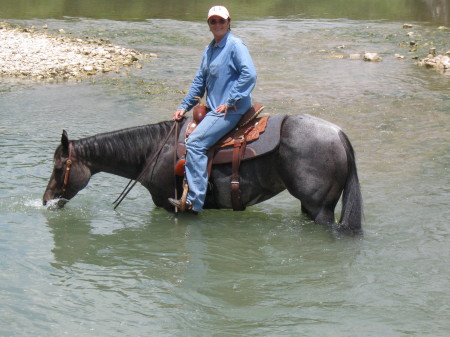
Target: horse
{"points": [[314, 161]]}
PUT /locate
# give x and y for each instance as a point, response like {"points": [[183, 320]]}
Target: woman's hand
{"points": [[224, 108], [177, 115]]}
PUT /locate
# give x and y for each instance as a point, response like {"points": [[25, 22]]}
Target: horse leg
{"points": [[318, 204]]}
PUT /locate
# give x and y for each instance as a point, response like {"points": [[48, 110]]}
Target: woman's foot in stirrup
{"points": [[179, 204]]}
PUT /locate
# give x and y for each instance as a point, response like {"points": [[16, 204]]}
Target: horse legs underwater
{"points": [[317, 165]]}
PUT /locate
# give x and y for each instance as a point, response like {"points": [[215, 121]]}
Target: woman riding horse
{"points": [[228, 76]]}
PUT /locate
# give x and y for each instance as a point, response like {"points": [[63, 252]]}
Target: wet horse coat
{"points": [[314, 161]]}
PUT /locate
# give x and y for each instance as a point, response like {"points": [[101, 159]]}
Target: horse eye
{"points": [[58, 170]]}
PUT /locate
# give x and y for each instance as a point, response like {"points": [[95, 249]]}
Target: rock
{"points": [[337, 56], [440, 63], [27, 53], [372, 57]]}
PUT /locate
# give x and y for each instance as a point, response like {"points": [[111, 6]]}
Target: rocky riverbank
{"points": [[37, 54]]}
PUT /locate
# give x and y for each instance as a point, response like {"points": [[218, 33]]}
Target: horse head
{"points": [[70, 174]]}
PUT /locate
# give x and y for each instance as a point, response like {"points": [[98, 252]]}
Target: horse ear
{"points": [[65, 140]]}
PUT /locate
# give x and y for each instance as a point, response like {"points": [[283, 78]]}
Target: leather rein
{"points": [[128, 188]]}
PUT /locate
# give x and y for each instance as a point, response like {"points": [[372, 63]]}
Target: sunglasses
{"points": [[215, 21]]}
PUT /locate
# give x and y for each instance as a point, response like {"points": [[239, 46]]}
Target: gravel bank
{"points": [[34, 54]]}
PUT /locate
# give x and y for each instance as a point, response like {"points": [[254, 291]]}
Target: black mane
{"points": [[126, 145]]}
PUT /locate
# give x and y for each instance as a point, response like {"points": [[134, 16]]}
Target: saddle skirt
{"points": [[262, 136]]}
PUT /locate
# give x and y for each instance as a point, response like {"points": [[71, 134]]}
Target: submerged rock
{"points": [[355, 56]]}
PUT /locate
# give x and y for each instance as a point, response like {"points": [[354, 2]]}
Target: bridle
{"points": [[128, 188], [67, 170]]}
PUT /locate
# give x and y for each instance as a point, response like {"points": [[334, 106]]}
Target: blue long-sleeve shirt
{"points": [[226, 74]]}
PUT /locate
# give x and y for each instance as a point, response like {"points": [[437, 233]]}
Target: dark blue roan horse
{"points": [[314, 161]]}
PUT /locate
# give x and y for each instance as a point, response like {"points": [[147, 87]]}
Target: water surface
{"points": [[436, 11], [88, 270]]}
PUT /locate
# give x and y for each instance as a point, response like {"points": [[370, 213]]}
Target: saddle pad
{"points": [[267, 142]]}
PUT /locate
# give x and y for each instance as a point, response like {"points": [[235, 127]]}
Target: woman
{"points": [[227, 76]]}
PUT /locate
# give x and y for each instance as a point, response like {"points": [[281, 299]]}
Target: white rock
{"points": [[372, 57]]}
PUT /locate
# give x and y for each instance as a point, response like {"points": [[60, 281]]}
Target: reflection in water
{"points": [[439, 9], [413, 10], [216, 271]]}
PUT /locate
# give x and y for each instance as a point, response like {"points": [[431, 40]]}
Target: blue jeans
{"points": [[212, 128]]}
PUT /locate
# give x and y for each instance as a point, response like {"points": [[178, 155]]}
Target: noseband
{"points": [[67, 172]]}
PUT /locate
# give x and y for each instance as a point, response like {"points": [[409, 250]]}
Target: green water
{"points": [[436, 11], [88, 270]]}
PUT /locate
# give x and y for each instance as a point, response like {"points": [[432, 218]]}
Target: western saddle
{"points": [[230, 149]]}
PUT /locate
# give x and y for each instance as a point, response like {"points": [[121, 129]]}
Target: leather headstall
{"points": [[67, 171]]}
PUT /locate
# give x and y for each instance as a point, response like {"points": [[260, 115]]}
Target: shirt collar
{"points": [[222, 42]]}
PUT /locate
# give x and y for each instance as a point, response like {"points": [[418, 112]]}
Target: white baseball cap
{"points": [[219, 11]]}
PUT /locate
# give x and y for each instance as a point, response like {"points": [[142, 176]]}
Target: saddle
{"points": [[253, 137]]}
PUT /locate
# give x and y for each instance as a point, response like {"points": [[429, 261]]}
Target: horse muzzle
{"points": [[55, 203]]}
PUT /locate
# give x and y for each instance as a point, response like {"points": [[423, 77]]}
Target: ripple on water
{"points": [[268, 270]]}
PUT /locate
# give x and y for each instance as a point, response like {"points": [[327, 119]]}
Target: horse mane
{"points": [[127, 145]]}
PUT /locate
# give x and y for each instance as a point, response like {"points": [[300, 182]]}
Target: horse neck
{"points": [[122, 152]]}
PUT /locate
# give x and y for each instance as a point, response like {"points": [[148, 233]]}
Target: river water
{"points": [[88, 270]]}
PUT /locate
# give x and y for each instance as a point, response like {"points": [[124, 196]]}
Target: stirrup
{"points": [[178, 204]]}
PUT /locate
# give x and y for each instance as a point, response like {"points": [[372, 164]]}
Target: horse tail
{"points": [[352, 204]]}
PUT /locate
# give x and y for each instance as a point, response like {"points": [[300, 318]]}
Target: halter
{"points": [[67, 173]]}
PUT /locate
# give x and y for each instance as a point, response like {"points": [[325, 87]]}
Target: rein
{"points": [[68, 166], [128, 188]]}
